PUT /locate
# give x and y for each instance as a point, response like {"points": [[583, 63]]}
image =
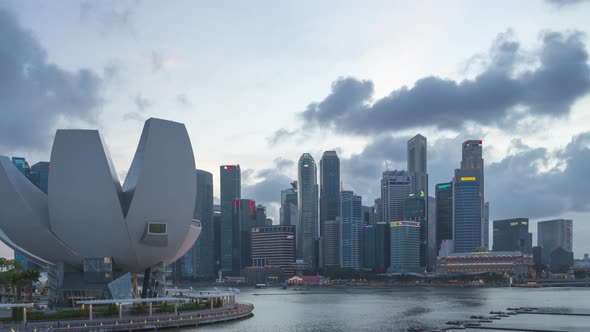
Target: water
{"points": [[397, 309]]}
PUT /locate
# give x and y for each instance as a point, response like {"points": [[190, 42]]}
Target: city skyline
{"points": [[534, 148]]}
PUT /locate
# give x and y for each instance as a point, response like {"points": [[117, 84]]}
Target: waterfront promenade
{"points": [[140, 323]]}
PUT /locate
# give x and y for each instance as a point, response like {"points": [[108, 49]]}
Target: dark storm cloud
{"points": [[35, 94], [519, 189], [561, 77], [280, 136]]}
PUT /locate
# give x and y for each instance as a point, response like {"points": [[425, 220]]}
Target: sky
{"points": [[258, 83]]}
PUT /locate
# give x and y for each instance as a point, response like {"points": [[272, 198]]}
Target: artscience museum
{"points": [[95, 236]]}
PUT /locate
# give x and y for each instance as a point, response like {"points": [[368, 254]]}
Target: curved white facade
{"points": [[87, 213]]}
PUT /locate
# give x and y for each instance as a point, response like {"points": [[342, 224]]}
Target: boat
{"points": [[258, 286], [484, 321], [472, 325]]}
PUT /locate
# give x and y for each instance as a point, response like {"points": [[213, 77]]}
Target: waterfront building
{"points": [[331, 243], [446, 247], [288, 209], [486, 225], [329, 206], [513, 235], [267, 274], [42, 168], [444, 213], [307, 204], [274, 246], [350, 230], [204, 264], [561, 260], [376, 246], [472, 165], [553, 234], [415, 210], [538, 255], [395, 187], [217, 236], [248, 220], [231, 191], [431, 219], [500, 262], [467, 210], [405, 247]]}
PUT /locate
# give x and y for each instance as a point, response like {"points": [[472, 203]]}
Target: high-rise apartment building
{"points": [[350, 230], [231, 191], [395, 188], [513, 235], [405, 247], [307, 204], [444, 213], [554, 234]]}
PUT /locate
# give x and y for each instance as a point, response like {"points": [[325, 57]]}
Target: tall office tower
{"points": [[247, 222], [351, 229], [274, 245], [42, 168], [217, 237], [307, 205], [444, 213], [431, 219], [288, 210], [486, 225], [395, 188], [331, 243], [329, 203], [231, 192], [376, 246], [369, 215], [467, 211], [417, 162], [204, 264], [405, 247], [472, 159], [21, 164], [513, 235], [260, 216], [554, 234], [378, 207], [351, 214], [415, 210]]}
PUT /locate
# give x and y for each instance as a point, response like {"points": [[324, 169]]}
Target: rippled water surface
{"points": [[397, 309]]}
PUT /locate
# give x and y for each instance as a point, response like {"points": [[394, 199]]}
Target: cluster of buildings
{"points": [[322, 226]]}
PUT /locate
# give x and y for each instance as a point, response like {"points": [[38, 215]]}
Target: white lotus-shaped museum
{"points": [[87, 214]]}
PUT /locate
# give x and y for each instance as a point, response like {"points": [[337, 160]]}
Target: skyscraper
{"points": [[288, 210], [378, 207], [217, 237], [260, 216], [231, 190], [307, 204], [329, 204], [247, 222], [415, 210], [554, 234], [204, 265], [274, 245], [486, 225], [444, 213], [431, 219], [472, 159], [376, 246], [42, 168], [467, 211], [513, 235], [417, 162], [21, 164], [395, 188], [351, 230], [369, 215], [405, 247]]}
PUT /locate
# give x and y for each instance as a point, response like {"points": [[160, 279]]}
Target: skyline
{"points": [[133, 73]]}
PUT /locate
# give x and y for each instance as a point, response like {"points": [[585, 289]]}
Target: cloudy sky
{"points": [[260, 82]]}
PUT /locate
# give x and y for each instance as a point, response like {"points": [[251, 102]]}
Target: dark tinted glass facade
{"points": [[467, 211], [415, 210], [444, 213], [230, 218], [513, 235], [204, 247], [308, 205]]}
